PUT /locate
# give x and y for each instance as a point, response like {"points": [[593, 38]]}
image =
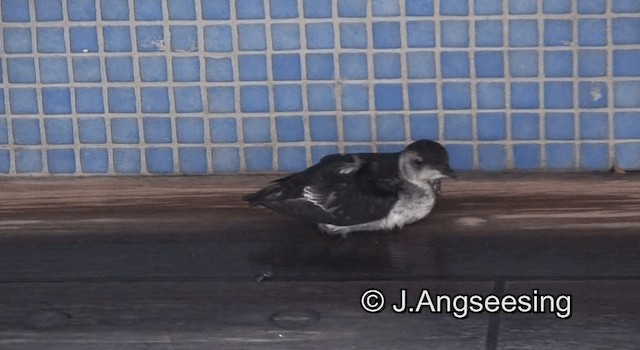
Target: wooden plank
{"points": [[224, 315]]}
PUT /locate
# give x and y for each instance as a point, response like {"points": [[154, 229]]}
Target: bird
{"points": [[345, 193]]}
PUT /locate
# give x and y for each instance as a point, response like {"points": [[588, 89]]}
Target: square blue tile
{"points": [[148, 10], [153, 68], [157, 129], [628, 155], [124, 130], [286, 66], [594, 126], [594, 156], [323, 128], [119, 69], [319, 35], [593, 94], [254, 99], [226, 160], [291, 159], [460, 156], [258, 158], [355, 97], [526, 156], [592, 32], [454, 8], [390, 127], [560, 155], [223, 130], [159, 160], [15, 11], [457, 127], [386, 35], [317, 8], [489, 33], [190, 129], [319, 152], [524, 96], [216, 9], [187, 99], [23, 101], [523, 63], [122, 100], [192, 160], [219, 69], [424, 126], [626, 31], [251, 37], [558, 32], [21, 70], [56, 101], [150, 38], [559, 126], [48, 10], [421, 65], [61, 161], [4, 136], [454, 33], [283, 8], [249, 9], [353, 35], [523, 32], [525, 126], [592, 6], [285, 36], [116, 39], [114, 10], [353, 66], [490, 95], [186, 69], [556, 6], [492, 157], [419, 7], [625, 62], [321, 97], [487, 7], [320, 66], [626, 125], [386, 8], [92, 130], [256, 129], [50, 40], [290, 129], [16, 40], [53, 70], [221, 99], [58, 131], [592, 63], [217, 38], [184, 38], [626, 6], [422, 96], [81, 10], [252, 67], [287, 98], [352, 8], [357, 128], [625, 94], [387, 65], [421, 34], [86, 69], [492, 126], [558, 63], [26, 131], [126, 160], [155, 99], [28, 160], [83, 39], [357, 149], [455, 64], [388, 97], [489, 64], [558, 95], [5, 161], [182, 9], [522, 7], [94, 160], [2, 108], [456, 95]]}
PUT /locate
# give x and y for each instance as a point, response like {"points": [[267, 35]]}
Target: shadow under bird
{"points": [[345, 193]]}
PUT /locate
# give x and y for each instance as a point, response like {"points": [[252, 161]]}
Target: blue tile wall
{"points": [[226, 86]]}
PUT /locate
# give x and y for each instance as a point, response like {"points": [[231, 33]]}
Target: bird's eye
{"points": [[418, 161]]}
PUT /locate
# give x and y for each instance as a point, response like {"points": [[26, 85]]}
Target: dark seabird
{"points": [[362, 192]]}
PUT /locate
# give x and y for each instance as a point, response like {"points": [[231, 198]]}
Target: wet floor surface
{"points": [[182, 263]]}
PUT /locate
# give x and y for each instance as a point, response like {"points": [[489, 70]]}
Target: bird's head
{"points": [[423, 162]]}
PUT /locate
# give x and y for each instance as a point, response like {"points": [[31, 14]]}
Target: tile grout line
{"points": [[167, 24], [269, 52], [575, 84], [337, 75], [8, 115], [506, 71], [437, 51], [404, 73], [610, 79], [44, 144], [206, 108], [371, 73], [237, 89], [473, 86], [541, 79], [303, 51]]}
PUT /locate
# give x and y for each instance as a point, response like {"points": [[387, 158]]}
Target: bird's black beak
{"points": [[449, 172]]}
